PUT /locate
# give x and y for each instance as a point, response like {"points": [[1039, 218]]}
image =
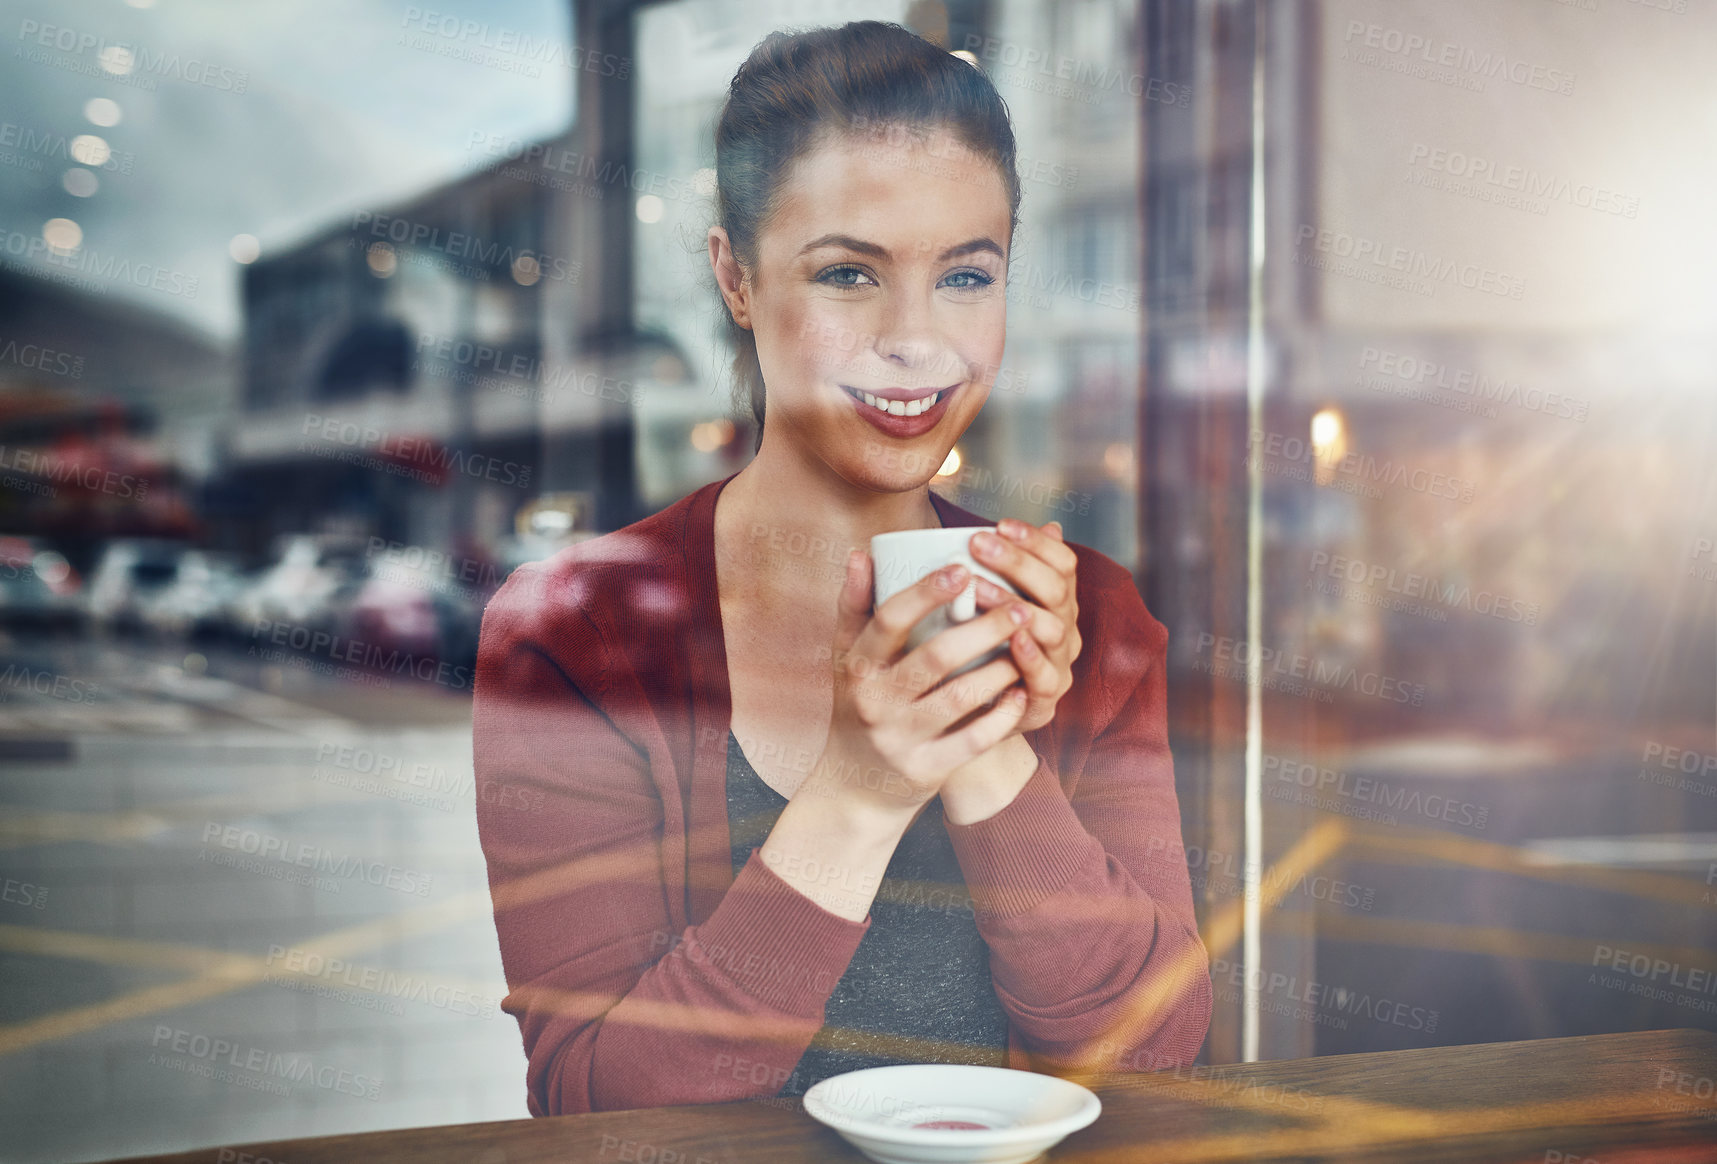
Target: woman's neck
{"points": [[790, 525]]}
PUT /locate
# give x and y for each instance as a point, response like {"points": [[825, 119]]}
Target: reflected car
{"points": [[201, 600], [304, 585], [414, 611], [131, 572], [38, 587]]}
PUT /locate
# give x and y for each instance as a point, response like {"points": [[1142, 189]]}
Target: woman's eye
{"points": [[845, 277], [967, 280]]}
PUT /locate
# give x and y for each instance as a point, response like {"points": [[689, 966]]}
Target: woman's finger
{"points": [[1047, 627], [852, 608], [979, 736], [1034, 577], [963, 694], [953, 647], [891, 624], [1028, 537], [1042, 678]]}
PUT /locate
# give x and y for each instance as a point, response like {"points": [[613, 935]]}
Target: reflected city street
{"points": [[242, 881]]}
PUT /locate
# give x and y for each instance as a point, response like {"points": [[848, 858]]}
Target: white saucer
{"points": [[1021, 1114]]}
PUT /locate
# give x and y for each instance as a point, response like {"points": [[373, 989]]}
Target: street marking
{"points": [[236, 972], [1407, 846]]}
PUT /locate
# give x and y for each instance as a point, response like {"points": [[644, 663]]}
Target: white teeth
{"points": [[901, 407]]}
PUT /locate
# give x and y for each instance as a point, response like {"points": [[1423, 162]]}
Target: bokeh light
{"points": [[79, 182], [244, 248], [102, 111]]}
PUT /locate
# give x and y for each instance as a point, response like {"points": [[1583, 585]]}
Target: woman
{"points": [[738, 840]]}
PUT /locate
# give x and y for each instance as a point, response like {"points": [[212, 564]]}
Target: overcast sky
{"points": [[345, 104]]}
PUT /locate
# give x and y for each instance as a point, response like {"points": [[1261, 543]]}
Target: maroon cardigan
{"points": [[643, 973]]}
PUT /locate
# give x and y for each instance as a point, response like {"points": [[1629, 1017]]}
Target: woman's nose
{"points": [[908, 350], [907, 338]]}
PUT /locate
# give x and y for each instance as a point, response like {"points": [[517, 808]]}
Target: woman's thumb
{"points": [[853, 606]]}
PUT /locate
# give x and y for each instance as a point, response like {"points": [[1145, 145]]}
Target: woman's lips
{"points": [[903, 426]]}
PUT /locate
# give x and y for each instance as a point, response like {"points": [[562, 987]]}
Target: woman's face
{"points": [[883, 271]]}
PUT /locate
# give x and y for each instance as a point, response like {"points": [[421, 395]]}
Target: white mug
{"points": [[903, 557]]}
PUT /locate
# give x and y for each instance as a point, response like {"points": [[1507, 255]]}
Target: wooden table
{"points": [[1607, 1099]]}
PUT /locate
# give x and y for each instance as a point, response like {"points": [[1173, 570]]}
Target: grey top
{"points": [[921, 972]]}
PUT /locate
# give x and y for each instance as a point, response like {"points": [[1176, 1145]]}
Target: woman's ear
{"points": [[735, 291]]}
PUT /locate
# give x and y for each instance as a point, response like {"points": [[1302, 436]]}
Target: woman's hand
{"points": [[1040, 564], [889, 745]]}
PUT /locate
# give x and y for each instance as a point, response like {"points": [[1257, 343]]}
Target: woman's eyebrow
{"points": [[848, 242], [972, 247], [875, 251]]}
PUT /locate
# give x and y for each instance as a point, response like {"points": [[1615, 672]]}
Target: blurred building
{"points": [[107, 416], [400, 378]]}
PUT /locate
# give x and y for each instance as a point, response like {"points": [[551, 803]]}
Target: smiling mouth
{"points": [[898, 407]]}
